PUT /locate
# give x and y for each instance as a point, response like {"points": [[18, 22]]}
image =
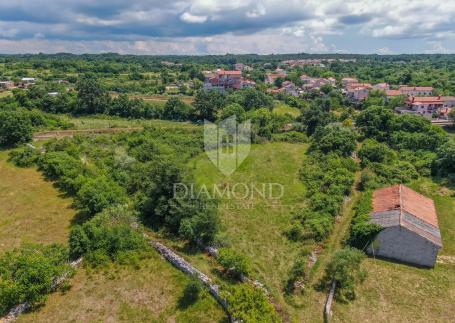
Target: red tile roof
{"points": [[416, 88], [401, 197], [393, 92]]}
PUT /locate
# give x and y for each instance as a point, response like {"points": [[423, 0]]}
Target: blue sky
{"points": [[227, 26]]}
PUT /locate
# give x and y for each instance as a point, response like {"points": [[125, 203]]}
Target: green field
{"points": [[96, 122], [151, 293], [33, 210], [4, 94], [282, 108], [400, 293], [255, 227]]}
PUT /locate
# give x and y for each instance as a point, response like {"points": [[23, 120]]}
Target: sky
{"points": [[199, 27]]}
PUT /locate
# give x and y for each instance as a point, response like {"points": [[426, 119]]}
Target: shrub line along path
{"points": [[340, 231]]}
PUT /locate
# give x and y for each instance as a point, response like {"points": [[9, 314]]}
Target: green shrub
{"points": [[96, 194], [237, 264], [15, 128], [345, 269], [27, 274], [24, 157], [109, 236], [249, 304], [290, 136], [296, 274]]}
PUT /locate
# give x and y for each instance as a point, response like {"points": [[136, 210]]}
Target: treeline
{"points": [[118, 184]]}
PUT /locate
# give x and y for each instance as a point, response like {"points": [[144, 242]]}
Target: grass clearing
{"points": [[4, 94], [32, 209], [256, 227], [97, 122], [283, 108], [151, 293], [396, 292]]}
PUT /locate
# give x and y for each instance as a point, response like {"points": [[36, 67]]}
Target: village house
{"points": [[222, 80], [270, 78], [359, 93], [410, 231], [428, 106], [6, 85], [345, 81], [382, 86], [242, 67], [416, 90], [290, 88], [392, 93]]}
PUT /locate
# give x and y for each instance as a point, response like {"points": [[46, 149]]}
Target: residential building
{"points": [[425, 105], [270, 78], [223, 80], [6, 85], [416, 90], [359, 93], [410, 230], [382, 86], [345, 81]]}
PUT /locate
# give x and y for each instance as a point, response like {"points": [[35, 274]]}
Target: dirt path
{"points": [[340, 231], [71, 133]]}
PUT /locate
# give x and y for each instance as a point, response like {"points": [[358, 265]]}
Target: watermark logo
{"points": [[228, 143]]}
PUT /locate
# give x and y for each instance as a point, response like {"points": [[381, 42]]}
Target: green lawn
{"points": [[255, 227], [283, 108], [31, 209], [400, 293]]}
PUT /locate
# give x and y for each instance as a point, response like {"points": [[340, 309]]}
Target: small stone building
{"points": [[410, 231]]}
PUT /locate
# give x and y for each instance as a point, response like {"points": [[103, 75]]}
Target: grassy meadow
{"points": [[151, 293], [282, 108], [96, 122], [255, 227], [32, 209]]}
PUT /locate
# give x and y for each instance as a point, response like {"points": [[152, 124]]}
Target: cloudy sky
{"points": [[227, 26]]}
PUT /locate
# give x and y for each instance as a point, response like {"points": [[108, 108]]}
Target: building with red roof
{"points": [[410, 229]]}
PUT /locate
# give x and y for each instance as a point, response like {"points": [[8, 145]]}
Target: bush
{"points": [[27, 274], [249, 304], [191, 293], [335, 138], [296, 274], [24, 157], [362, 232], [15, 128], [234, 262], [99, 193], [345, 269], [291, 136], [109, 236]]}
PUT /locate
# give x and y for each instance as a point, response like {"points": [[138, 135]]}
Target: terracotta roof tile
{"points": [[402, 197]]}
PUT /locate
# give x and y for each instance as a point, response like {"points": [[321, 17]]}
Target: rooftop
{"points": [[400, 205]]}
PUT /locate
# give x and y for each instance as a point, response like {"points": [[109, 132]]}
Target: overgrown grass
{"points": [[255, 228], [31, 209], [396, 292], [4, 94], [150, 293], [100, 121], [283, 108]]}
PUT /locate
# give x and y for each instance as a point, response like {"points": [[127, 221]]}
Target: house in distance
{"points": [[410, 231]]}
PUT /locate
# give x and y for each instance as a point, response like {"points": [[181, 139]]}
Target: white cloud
{"points": [[187, 17]]}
